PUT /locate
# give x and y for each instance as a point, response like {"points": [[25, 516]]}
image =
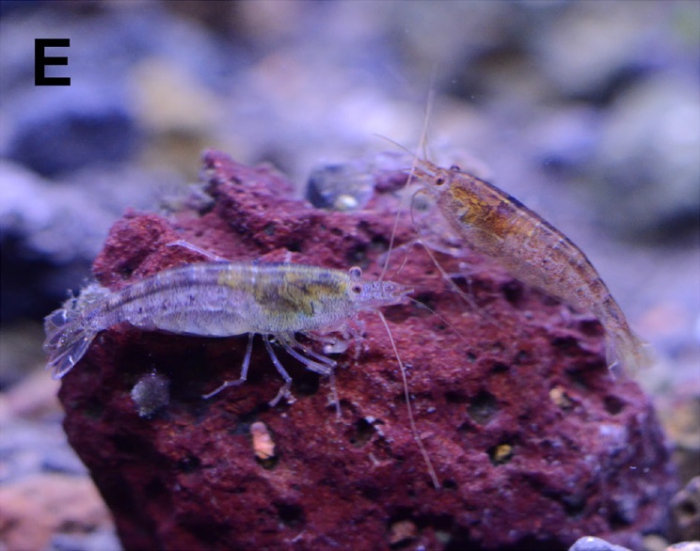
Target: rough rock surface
{"points": [[533, 443]]}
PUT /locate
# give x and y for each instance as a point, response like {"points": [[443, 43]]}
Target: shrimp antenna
{"points": [[416, 160], [397, 144], [426, 119], [391, 243], [411, 420]]}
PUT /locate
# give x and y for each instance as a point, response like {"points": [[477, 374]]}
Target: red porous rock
{"points": [[533, 442]]}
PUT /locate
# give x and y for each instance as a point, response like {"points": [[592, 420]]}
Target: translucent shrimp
{"points": [[217, 299], [497, 225], [221, 299]]}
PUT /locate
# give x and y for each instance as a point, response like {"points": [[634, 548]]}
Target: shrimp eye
{"points": [[355, 272], [439, 181], [356, 289]]}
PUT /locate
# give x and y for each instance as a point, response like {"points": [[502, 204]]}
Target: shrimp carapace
{"points": [[497, 225]]}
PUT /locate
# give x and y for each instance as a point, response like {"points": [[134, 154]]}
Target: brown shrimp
{"points": [[497, 225]]}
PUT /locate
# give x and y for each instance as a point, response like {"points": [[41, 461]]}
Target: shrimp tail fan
{"points": [[627, 350], [70, 330]]}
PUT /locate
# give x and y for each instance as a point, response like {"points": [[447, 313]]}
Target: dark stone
{"points": [[73, 129]]}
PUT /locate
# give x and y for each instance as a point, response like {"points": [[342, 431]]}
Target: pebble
{"points": [[685, 507], [37, 509], [590, 543]]}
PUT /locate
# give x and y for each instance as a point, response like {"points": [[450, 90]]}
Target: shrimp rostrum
{"points": [[497, 225], [221, 299]]}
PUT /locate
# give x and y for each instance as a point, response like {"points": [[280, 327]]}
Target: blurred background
{"points": [[588, 112]]}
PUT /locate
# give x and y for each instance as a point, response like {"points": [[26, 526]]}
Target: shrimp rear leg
{"points": [[320, 364], [244, 371], [284, 392]]}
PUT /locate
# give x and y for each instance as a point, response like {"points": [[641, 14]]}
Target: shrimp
{"points": [[222, 299], [497, 225], [217, 299]]}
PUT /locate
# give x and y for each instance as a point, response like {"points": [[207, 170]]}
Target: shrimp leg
{"points": [[326, 367], [244, 370], [284, 392], [327, 364]]}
